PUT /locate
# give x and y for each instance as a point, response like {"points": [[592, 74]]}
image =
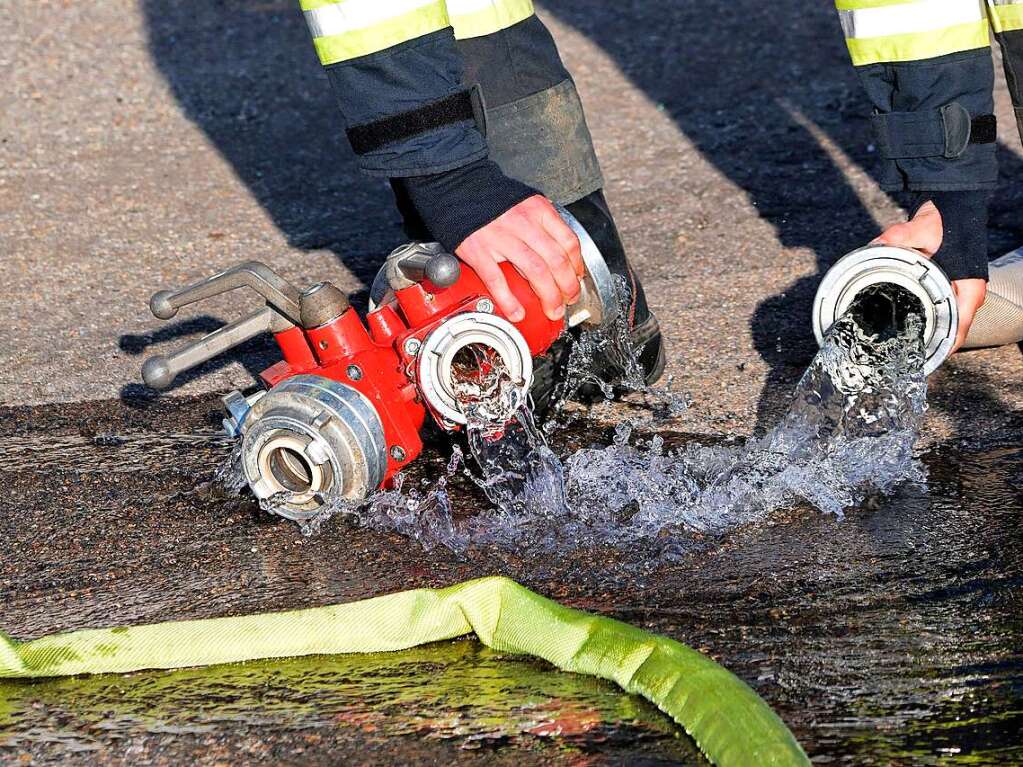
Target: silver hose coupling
{"points": [[310, 438], [439, 350], [904, 267]]}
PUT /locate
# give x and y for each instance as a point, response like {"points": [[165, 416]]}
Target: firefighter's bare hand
{"points": [[533, 238], [923, 232]]}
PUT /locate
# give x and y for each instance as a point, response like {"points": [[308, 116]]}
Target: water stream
{"points": [[849, 433]]}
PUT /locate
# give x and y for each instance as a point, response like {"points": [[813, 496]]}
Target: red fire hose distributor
{"points": [[342, 412]]}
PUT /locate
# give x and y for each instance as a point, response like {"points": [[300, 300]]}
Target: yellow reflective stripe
{"points": [[915, 46], [309, 5], [475, 18], [1006, 16], [384, 34]]}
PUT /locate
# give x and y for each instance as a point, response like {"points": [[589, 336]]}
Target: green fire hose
{"points": [[728, 721]]}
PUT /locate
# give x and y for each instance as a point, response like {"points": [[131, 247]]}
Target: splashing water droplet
{"points": [[230, 474]]}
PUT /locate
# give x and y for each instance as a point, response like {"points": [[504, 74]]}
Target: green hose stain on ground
{"points": [[726, 719]]}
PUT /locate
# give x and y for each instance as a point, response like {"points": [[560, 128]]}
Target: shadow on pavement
{"points": [[761, 90], [254, 355], [247, 75], [754, 86]]}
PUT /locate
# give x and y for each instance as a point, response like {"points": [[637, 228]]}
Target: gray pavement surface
{"points": [[145, 145]]}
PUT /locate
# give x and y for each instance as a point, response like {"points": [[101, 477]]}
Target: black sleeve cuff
{"points": [[456, 203], [964, 215], [389, 88]]}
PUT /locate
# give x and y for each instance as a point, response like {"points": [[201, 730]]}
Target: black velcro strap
{"points": [[944, 132], [458, 107], [984, 129]]}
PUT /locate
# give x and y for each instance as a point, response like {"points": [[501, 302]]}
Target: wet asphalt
{"points": [[144, 145], [892, 636]]}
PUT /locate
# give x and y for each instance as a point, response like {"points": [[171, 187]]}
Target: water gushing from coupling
{"points": [[440, 349], [904, 268]]}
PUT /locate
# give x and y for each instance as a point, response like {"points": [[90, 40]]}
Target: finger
{"points": [[923, 232], [970, 295], [531, 266], [567, 240], [897, 234], [493, 278], [557, 261]]}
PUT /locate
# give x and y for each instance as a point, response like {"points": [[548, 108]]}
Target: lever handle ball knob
{"points": [[443, 270], [157, 372], [162, 305]]}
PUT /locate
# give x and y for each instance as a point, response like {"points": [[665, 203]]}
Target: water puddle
{"points": [[412, 702]]}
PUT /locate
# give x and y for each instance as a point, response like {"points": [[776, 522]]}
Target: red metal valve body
{"points": [[377, 359]]}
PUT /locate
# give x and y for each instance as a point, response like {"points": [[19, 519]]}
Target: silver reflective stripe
{"points": [[349, 15], [910, 17], [1005, 2], [463, 7]]}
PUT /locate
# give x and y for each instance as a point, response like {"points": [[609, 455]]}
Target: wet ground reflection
{"points": [[892, 636], [457, 691]]}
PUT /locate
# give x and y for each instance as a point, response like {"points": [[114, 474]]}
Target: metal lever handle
{"points": [[160, 370], [410, 264], [278, 292], [442, 269], [417, 261]]}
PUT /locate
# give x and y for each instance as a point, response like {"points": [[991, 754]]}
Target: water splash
{"points": [[602, 361], [848, 433], [230, 475], [518, 471]]}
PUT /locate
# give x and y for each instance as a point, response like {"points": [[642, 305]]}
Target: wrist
{"points": [[456, 203], [964, 219]]}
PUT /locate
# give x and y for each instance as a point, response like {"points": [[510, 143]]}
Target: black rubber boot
{"points": [[644, 331]]}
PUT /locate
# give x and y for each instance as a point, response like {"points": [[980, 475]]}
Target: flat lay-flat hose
{"points": [[728, 721], [1000, 320]]}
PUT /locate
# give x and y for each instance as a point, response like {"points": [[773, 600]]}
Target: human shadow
{"points": [[765, 92], [1005, 230], [246, 74]]}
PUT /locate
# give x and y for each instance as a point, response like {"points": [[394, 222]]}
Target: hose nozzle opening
{"points": [[885, 284], [884, 308], [291, 470], [463, 340]]}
